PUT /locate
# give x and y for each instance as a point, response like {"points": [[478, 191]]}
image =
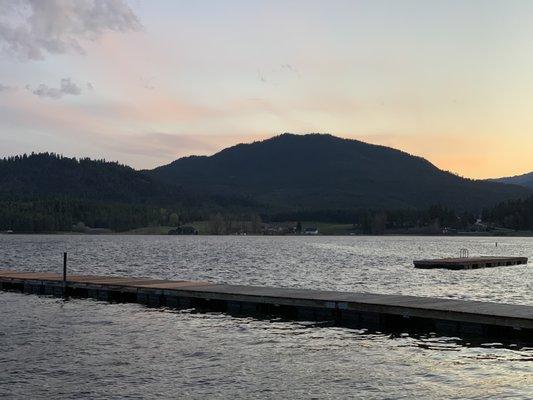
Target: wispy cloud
{"points": [[67, 87], [261, 77], [32, 29], [290, 68], [5, 88], [166, 147], [101, 132], [277, 74], [148, 83]]}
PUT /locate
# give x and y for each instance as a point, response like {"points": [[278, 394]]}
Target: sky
{"points": [[146, 82]]}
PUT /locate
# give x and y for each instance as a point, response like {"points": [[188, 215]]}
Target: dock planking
{"points": [[470, 262], [364, 310]]}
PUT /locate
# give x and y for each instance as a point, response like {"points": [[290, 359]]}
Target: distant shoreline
{"points": [[133, 233]]}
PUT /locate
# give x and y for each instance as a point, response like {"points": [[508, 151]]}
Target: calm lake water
{"points": [[89, 349]]}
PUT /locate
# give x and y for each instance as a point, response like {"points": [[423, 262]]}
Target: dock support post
{"points": [[65, 274]]}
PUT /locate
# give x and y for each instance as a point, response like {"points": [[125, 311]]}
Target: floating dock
{"points": [[470, 262], [362, 310]]}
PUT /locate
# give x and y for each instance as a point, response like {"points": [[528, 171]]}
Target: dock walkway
{"points": [[373, 311], [470, 262]]}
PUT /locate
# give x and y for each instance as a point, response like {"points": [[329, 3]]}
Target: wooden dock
{"points": [[362, 310], [470, 262]]}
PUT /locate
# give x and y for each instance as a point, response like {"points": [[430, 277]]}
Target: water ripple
{"points": [[50, 348]]}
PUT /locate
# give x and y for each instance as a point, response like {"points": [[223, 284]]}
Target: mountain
{"points": [[47, 175], [320, 171], [525, 180], [285, 173]]}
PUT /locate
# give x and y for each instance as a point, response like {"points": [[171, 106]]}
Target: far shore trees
{"points": [[174, 219]]}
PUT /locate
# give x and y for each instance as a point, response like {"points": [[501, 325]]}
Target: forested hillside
{"points": [[285, 178], [525, 180], [45, 175], [319, 172]]}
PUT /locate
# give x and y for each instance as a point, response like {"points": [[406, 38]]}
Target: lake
{"points": [[84, 348]]}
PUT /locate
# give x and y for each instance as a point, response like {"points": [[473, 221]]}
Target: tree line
{"points": [[64, 213], [52, 215], [512, 214]]}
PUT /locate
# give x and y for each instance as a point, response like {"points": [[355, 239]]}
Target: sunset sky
{"points": [[144, 82]]}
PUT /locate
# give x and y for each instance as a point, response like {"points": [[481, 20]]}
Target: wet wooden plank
{"points": [[44, 276], [104, 280], [169, 285]]}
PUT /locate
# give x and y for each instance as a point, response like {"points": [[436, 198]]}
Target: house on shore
{"points": [[311, 231], [184, 230]]}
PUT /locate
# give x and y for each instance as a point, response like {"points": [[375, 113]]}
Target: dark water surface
{"points": [[50, 348]]}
